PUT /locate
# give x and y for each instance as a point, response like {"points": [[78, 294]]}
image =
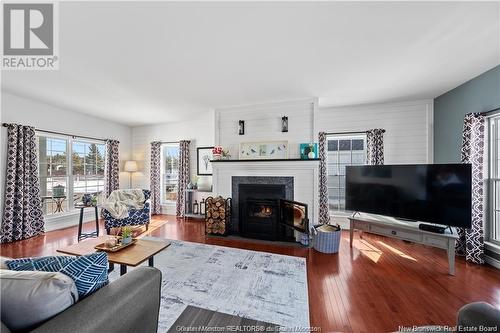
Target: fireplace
{"points": [[259, 219], [256, 207]]}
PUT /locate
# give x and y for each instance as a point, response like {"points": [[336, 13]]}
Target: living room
{"points": [[250, 166]]}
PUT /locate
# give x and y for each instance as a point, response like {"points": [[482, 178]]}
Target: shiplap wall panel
{"points": [[263, 123], [408, 125]]}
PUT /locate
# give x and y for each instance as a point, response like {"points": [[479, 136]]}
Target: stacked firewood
{"points": [[216, 216]]}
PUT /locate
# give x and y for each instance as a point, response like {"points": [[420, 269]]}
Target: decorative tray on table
{"points": [[117, 247]]}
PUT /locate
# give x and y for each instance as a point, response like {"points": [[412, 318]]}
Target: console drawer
{"points": [[396, 233], [436, 241]]}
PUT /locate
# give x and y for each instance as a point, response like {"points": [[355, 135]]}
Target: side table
{"points": [[82, 235]]}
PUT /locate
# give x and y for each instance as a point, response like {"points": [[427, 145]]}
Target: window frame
{"points": [[163, 199], [493, 176], [339, 136], [69, 166]]}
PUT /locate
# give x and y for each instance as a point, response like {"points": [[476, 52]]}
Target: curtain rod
{"points": [[162, 142], [61, 133], [491, 112], [339, 133]]}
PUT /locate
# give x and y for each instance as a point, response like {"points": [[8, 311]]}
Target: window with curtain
{"points": [[493, 223], [64, 180], [342, 150], [169, 172]]}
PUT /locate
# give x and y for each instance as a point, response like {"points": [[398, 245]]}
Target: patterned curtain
{"points": [[155, 177], [375, 146], [22, 215], [111, 170], [471, 241], [183, 175], [324, 214]]}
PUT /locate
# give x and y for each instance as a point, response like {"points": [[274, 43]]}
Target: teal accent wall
{"points": [[480, 94]]}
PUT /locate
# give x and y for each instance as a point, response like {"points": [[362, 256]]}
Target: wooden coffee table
{"points": [[132, 255]]}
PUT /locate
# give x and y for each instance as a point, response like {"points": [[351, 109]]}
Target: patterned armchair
{"points": [[135, 216]]}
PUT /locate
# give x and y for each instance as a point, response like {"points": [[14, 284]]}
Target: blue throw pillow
{"points": [[90, 272]]}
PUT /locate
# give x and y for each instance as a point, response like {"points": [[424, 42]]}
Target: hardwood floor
{"points": [[376, 286]]}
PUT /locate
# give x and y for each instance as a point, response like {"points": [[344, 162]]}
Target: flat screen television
{"points": [[435, 193]]}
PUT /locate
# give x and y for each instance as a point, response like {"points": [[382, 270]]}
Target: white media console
{"points": [[408, 231]]}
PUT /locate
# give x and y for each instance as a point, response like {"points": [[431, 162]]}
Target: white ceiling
{"points": [[142, 63]]}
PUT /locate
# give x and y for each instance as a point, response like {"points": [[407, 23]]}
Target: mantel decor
{"points": [[308, 151], [263, 150]]}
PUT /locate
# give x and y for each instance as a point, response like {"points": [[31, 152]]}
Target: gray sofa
{"points": [[472, 317], [479, 314], [129, 304]]}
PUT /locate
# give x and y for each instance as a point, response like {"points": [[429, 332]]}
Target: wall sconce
{"points": [[284, 124], [241, 127]]}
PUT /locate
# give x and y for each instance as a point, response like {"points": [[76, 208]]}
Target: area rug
{"points": [[256, 285]]}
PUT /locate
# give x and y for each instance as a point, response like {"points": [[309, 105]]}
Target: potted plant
{"points": [[217, 152], [226, 155], [126, 235]]}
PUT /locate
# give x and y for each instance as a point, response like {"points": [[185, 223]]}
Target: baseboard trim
{"points": [[68, 220], [492, 261]]}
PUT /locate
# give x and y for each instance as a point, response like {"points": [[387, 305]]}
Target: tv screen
{"points": [[435, 193]]}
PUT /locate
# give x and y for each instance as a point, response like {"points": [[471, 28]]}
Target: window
{"points": [[169, 171], [493, 225], [342, 150], [88, 168], [53, 172], [63, 180]]}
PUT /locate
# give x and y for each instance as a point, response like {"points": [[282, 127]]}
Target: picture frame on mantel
{"points": [[204, 156], [272, 150]]}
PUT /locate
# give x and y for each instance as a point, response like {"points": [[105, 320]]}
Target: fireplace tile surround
{"points": [[236, 181]]}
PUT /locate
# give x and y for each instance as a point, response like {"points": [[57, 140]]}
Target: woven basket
{"points": [[326, 241]]}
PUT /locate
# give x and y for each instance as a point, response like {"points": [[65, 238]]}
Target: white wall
{"points": [[263, 123], [408, 125], [409, 132], [199, 130], [20, 110], [408, 137]]}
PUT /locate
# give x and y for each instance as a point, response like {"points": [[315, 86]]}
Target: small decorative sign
{"points": [[308, 151]]}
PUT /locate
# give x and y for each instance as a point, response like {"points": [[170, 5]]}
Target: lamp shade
{"points": [[130, 166]]}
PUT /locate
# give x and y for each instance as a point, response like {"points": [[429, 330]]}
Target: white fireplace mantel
{"points": [[304, 172]]}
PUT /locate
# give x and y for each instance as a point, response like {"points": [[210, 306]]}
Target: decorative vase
{"points": [[126, 240], [217, 156], [311, 155]]}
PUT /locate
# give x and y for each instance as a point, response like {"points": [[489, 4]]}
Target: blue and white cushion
{"points": [[90, 272]]}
